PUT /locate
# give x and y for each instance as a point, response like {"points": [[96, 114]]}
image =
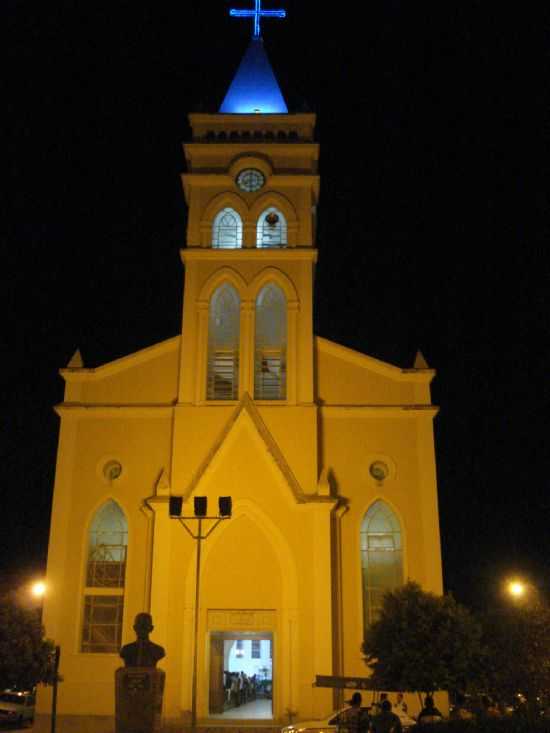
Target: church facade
{"points": [[327, 455]]}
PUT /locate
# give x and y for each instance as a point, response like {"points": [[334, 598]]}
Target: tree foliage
{"points": [[518, 651], [422, 642], [26, 658]]}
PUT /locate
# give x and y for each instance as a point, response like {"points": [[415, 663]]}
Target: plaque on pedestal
{"points": [[139, 699], [139, 685]]}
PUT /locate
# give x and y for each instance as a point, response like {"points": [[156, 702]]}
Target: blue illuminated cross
{"points": [[257, 13]]}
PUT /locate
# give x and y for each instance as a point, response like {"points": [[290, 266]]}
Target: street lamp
{"points": [[522, 592], [200, 507], [516, 588], [38, 589]]}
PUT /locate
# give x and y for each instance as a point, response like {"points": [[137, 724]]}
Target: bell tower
{"points": [[246, 420], [251, 189]]}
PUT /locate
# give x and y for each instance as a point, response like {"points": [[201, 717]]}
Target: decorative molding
{"points": [[323, 486], [79, 410], [76, 362], [122, 364], [207, 118], [372, 364], [385, 461], [383, 411], [106, 470], [269, 254], [162, 485], [236, 619], [250, 160], [247, 405]]}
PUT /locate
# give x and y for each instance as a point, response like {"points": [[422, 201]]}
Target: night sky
{"points": [[432, 229]]}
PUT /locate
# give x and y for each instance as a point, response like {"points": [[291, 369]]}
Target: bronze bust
{"points": [[142, 652]]}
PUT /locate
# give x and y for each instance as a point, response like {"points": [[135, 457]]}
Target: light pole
{"points": [[200, 506], [56, 657], [38, 590]]}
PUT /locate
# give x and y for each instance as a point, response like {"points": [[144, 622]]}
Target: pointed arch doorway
{"points": [[241, 675]]}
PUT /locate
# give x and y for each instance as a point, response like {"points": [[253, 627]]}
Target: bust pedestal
{"points": [[138, 706]]}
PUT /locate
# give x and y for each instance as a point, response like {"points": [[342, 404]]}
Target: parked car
{"points": [[330, 724], [17, 708]]}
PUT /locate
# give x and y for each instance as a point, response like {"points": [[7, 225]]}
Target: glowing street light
{"points": [[516, 588], [38, 589]]}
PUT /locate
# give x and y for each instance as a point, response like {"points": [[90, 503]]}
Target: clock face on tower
{"points": [[250, 180]]}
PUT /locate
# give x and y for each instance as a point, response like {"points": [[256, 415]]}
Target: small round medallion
{"points": [[379, 470], [112, 470], [250, 180]]}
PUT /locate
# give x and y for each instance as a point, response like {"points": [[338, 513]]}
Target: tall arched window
{"points": [[271, 229], [223, 344], [105, 573], [381, 558], [270, 344], [227, 230]]}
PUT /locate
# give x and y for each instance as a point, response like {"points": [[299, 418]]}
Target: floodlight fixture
{"points": [[175, 505], [200, 504], [225, 506]]}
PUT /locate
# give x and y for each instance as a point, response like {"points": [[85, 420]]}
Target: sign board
{"points": [[343, 683]]}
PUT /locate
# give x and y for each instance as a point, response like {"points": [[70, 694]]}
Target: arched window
{"points": [[105, 573], [381, 558], [270, 344], [271, 229], [227, 230], [223, 344]]}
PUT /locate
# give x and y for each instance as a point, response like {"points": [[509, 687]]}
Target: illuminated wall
{"points": [[303, 464]]}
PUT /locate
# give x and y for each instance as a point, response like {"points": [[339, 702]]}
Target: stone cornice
{"points": [[379, 411], [276, 181], [81, 374], [207, 118], [233, 149], [80, 410], [378, 366], [190, 254]]}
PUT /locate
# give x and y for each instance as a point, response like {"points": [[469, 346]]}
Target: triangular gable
{"points": [[247, 405], [372, 364], [75, 373]]}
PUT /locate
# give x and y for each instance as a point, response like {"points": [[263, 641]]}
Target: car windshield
{"points": [[12, 697]]}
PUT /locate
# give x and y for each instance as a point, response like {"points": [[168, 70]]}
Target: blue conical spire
{"points": [[254, 87]]}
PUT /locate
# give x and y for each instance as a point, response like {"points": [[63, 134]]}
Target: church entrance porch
{"points": [[241, 675]]}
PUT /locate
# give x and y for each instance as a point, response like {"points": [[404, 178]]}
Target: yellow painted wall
{"points": [[294, 469], [349, 445], [340, 382], [148, 377]]}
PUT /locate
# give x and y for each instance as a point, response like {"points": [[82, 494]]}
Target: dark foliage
{"points": [[422, 642], [25, 656], [518, 651]]}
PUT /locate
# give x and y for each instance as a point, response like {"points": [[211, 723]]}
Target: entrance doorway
{"points": [[241, 675]]}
